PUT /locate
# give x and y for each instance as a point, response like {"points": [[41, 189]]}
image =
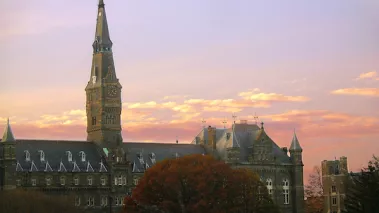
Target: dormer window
{"points": [[140, 158], [41, 155], [27, 155], [83, 156], [69, 156], [152, 157]]}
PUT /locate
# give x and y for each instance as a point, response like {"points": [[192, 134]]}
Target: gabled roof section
{"points": [[33, 167], [62, 168], [102, 167], [295, 145], [89, 167], [8, 134], [19, 167], [48, 167], [75, 167]]}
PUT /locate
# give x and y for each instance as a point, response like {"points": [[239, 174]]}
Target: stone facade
{"points": [[99, 172], [248, 146], [334, 178]]}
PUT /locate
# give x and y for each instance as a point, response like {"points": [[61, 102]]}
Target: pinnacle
{"points": [[295, 145], [8, 135]]}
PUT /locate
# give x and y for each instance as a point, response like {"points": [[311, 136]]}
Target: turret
{"points": [[298, 176], [296, 151], [7, 158]]}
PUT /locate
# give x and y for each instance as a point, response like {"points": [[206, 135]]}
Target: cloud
{"points": [[368, 75], [357, 91], [253, 95], [324, 123], [252, 98]]}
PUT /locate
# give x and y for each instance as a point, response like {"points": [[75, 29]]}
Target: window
{"points": [[286, 190], [48, 181], [34, 182], [103, 181], [69, 156], [104, 200], [90, 201], [119, 180], [115, 181], [76, 181], [334, 201], [94, 120], [41, 155], [116, 201], [269, 185], [135, 181], [27, 155], [77, 201], [334, 189], [89, 179], [63, 181], [83, 156], [124, 180], [18, 182]]}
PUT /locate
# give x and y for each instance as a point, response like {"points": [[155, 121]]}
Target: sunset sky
{"points": [[312, 66]]}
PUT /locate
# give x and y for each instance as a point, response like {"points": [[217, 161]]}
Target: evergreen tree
{"points": [[363, 190]]}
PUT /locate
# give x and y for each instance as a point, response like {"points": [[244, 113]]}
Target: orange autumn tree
{"points": [[198, 183]]}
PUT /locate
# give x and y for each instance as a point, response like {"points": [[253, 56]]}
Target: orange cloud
{"points": [[253, 95], [252, 98], [357, 91], [368, 75]]}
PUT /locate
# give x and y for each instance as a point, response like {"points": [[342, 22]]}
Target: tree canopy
{"points": [[314, 192], [198, 183], [363, 190]]}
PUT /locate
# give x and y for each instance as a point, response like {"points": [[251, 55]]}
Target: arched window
{"points": [[83, 156], [286, 191], [69, 156], [41, 155], [27, 155]]}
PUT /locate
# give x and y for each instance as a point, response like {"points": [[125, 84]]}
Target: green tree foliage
{"points": [[21, 201], [314, 192], [363, 190], [198, 183]]}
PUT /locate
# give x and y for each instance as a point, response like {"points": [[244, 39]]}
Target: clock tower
{"points": [[103, 91]]}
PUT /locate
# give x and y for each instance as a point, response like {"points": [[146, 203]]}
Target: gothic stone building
{"points": [[335, 176], [100, 171]]}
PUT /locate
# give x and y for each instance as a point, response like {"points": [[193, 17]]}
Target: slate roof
{"points": [[56, 155], [144, 155]]}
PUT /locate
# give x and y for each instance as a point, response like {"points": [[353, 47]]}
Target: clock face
{"points": [[112, 91]]}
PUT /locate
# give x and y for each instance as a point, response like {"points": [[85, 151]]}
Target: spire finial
{"points": [[101, 3], [256, 118]]}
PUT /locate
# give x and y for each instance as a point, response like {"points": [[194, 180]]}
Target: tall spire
{"points": [[101, 3], [295, 145], [102, 39], [8, 135]]}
